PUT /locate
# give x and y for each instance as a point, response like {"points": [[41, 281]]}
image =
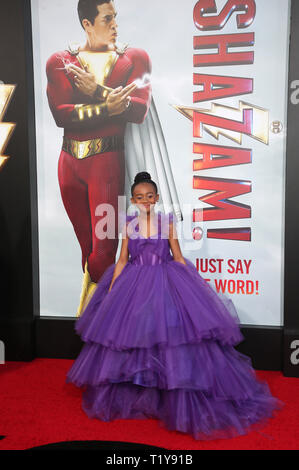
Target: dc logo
{"points": [[294, 358], [276, 127]]}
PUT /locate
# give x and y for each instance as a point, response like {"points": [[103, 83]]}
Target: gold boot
{"points": [[87, 290], [91, 288]]}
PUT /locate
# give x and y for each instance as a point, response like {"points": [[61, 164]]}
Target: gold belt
{"points": [[86, 148]]}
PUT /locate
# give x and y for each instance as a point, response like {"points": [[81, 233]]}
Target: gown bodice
{"points": [[154, 249]]}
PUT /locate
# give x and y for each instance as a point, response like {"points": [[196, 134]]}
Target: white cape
{"points": [[146, 150]]}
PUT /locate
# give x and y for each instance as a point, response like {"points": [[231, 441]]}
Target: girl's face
{"points": [[145, 197]]}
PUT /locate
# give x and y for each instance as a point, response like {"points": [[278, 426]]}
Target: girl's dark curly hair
{"points": [[143, 177]]}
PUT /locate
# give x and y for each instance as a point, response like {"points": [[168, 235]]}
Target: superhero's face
{"points": [[145, 197], [104, 30]]}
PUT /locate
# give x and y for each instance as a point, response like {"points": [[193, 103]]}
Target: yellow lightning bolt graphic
{"points": [[260, 120], [6, 128]]}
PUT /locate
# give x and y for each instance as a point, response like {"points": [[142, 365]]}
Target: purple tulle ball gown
{"points": [[160, 344]]}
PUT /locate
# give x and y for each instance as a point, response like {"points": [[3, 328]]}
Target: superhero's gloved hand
{"points": [[119, 99], [84, 80]]}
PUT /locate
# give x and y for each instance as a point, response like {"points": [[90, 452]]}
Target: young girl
{"points": [[159, 341]]}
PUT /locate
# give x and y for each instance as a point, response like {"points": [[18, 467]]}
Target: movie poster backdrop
{"points": [[214, 140]]}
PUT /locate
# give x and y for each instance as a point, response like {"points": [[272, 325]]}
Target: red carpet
{"points": [[38, 408]]}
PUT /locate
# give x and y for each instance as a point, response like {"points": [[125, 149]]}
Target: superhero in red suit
{"points": [[92, 95]]}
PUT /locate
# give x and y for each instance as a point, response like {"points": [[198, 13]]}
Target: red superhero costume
{"points": [[91, 168]]}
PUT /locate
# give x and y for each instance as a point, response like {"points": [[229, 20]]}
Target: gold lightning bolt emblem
{"points": [[6, 128], [260, 118]]}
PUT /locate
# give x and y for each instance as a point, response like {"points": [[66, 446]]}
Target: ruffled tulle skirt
{"points": [[160, 345]]}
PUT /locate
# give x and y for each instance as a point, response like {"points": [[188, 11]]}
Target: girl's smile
{"points": [[144, 197]]}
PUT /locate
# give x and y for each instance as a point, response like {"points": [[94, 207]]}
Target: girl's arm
{"points": [[123, 257], [174, 244]]}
